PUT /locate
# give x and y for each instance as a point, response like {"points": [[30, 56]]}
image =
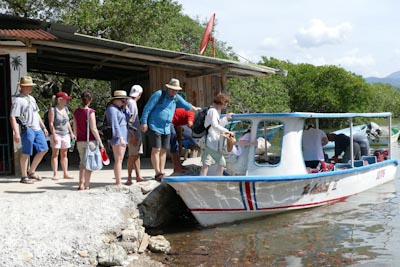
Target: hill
{"points": [[393, 79]]}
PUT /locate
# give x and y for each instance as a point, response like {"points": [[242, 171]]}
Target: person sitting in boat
{"points": [[342, 144], [213, 152], [237, 164], [313, 141]]}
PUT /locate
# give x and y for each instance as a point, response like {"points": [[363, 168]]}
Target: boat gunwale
{"points": [[313, 115], [277, 178]]}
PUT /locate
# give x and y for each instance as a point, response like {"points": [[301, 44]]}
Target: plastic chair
{"points": [[357, 163], [369, 159]]}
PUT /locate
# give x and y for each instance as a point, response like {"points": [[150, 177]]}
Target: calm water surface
{"points": [[364, 230]]}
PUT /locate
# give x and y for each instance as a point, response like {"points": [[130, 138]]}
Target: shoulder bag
{"points": [[93, 160]]}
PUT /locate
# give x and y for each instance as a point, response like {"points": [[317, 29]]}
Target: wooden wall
{"points": [[199, 91]]}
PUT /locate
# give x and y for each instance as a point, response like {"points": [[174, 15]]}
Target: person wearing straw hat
{"points": [[29, 129], [135, 147], [117, 117], [156, 121]]}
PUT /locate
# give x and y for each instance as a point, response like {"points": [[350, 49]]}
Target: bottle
{"points": [[71, 149]]}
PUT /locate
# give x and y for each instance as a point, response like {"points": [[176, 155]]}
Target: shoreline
{"points": [[50, 223]]}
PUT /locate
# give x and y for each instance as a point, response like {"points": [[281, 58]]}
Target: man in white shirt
{"points": [[313, 141], [29, 129]]}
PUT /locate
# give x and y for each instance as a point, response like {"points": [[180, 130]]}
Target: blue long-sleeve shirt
{"points": [[159, 111], [118, 120]]}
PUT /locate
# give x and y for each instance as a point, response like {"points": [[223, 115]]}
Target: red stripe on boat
{"points": [[248, 195], [275, 208]]}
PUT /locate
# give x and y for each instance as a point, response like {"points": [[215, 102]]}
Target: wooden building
{"points": [[28, 45]]}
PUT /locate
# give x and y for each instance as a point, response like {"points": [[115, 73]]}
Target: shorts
{"points": [[33, 139], [81, 146], [63, 141], [211, 157], [132, 149], [158, 140], [174, 145]]}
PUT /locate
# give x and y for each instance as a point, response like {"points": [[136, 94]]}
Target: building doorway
{"points": [[6, 141]]}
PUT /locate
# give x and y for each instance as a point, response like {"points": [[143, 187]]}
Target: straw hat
{"points": [[174, 84], [119, 94], [26, 81]]}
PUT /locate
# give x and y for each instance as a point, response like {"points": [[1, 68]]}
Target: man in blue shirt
{"points": [[156, 121]]}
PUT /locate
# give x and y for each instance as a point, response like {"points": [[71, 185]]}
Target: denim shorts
{"points": [[33, 139]]}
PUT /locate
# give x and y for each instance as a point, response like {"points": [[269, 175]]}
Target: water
{"points": [[364, 230]]}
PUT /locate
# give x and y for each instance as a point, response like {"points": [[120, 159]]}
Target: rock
{"points": [[159, 244], [83, 253], [130, 247], [148, 186], [161, 207], [112, 255], [129, 235]]}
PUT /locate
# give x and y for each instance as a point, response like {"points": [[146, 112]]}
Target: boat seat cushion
{"points": [[342, 166]]}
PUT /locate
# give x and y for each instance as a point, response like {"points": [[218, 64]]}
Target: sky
{"points": [[361, 36]]}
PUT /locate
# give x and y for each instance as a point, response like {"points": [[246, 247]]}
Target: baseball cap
{"points": [[63, 95], [136, 90]]}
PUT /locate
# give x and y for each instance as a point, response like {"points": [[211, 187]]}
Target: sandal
{"points": [[129, 182], [68, 177], [26, 180], [34, 176], [159, 176]]}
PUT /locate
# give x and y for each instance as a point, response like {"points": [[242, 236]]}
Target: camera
{"points": [[132, 128]]}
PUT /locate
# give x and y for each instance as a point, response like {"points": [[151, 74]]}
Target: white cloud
{"points": [[355, 61], [318, 33], [270, 43]]}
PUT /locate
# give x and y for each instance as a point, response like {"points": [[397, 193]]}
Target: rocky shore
{"points": [[101, 226]]}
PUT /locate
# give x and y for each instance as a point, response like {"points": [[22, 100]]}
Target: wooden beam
{"points": [[96, 63], [15, 49], [112, 58], [123, 54]]}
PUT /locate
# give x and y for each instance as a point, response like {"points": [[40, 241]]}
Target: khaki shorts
{"points": [[211, 157], [132, 149]]}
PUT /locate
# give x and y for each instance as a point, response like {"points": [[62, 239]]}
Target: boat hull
{"points": [[218, 200]]}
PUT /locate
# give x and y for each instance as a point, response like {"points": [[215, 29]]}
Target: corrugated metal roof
{"points": [[71, 53], [30, 34]]}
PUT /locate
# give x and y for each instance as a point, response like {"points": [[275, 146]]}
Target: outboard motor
{"points": [[373, 129]]}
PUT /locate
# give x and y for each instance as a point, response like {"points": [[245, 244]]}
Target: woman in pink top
{"points": [[80, 129]]}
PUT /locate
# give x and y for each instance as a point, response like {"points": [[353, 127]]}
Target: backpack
{"points": [[46, 118], [106, 130], [198, 128]]}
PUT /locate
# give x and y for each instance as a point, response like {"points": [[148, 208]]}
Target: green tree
{"points": [[250, 95], [323, 88], [49, 10]]}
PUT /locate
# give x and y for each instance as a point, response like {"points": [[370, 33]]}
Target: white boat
{"points": [[358, 129], [278, 180], [378, 135]]}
